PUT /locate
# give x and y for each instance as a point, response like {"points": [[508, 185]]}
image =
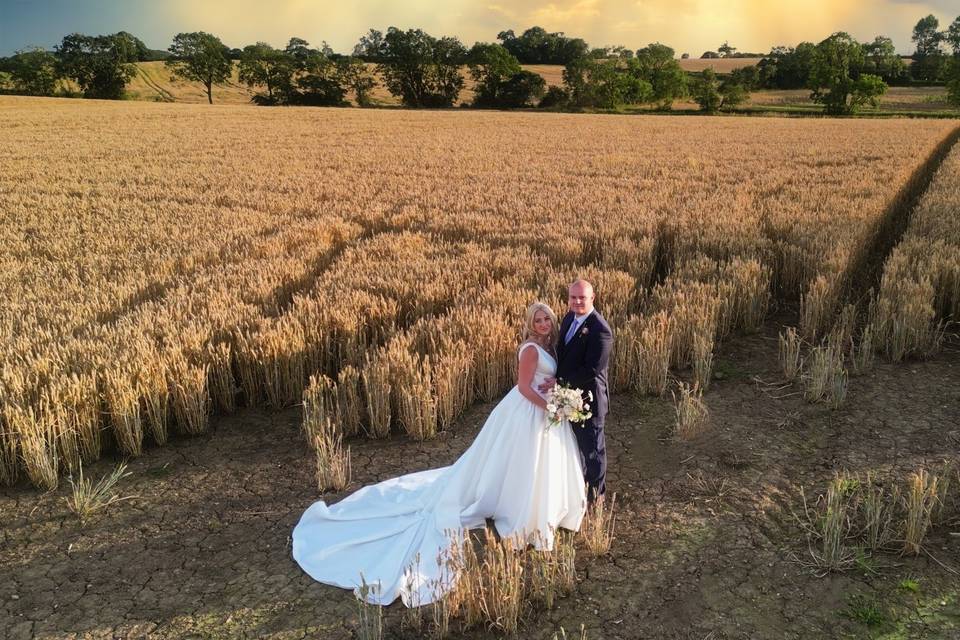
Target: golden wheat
{"points": [[599, 524], [826, 378], [920, 288], [691, 412], [919, 502], [357, 239], [791, 362]]}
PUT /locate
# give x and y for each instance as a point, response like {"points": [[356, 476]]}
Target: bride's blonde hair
{"points": [[528, 330]]}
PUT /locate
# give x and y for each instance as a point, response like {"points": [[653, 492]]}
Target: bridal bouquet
{"points": [[564, 403]]}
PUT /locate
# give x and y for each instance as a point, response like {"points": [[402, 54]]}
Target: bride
{"points": [[525, 476]]}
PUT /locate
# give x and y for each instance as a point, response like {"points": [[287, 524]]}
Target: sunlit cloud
{"points": [[581, 10]]}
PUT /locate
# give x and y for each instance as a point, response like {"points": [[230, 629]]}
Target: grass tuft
{"points": [[87, 498]]}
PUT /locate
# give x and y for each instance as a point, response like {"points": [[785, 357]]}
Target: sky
{"points": [[691, 26]]}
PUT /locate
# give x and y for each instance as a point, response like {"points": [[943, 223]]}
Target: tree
{"points": [[747, 77], [734, 94], [491, 65], [200, 57], [613, 51], [881, 59], [101, 65], [422, 70], [555, 97], [657, 66], [500, 82], [835, 78], [706, 91], [318, 81], [928, 60], [726, 50], [33, 72], [299, 50], [140, 51], [953, 82], [709, 55], [262, 65], [302, 75], [521, 89], [537, 46], [952, 36], [787, 67], [592, 82], [357, 78], [605, 84], [927, 36], [370, 47], [714, 95]]}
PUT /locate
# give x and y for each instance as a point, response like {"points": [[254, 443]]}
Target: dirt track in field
{"points": [[203, 549]]}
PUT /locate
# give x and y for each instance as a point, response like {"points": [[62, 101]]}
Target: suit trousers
{"points": [[593, 454]]}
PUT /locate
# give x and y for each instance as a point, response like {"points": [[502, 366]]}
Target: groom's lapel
{"points": [[579, 334]]}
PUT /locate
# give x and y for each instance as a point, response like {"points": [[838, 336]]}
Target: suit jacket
{"points": [[582, 363]]}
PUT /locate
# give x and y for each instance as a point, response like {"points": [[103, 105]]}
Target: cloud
{"points": [[949, 7], [567, 12]]}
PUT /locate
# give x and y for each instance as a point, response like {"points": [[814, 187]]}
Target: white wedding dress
{"points": [[525, 476]]}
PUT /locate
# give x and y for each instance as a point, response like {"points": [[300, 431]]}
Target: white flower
{"points": [[564, 403]]}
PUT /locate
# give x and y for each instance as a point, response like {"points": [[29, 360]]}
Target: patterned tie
{"points": [[571, 331]]}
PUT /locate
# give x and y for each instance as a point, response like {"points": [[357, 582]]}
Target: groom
{"points": [[583, 352]]}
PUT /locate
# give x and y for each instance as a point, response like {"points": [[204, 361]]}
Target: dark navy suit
{"points": [[582, 364]]}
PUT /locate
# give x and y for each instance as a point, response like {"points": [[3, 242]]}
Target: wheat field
{"points": [[162, 263], [920, 288]]}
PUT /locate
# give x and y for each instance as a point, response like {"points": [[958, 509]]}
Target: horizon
{"points": [[633, 24]]}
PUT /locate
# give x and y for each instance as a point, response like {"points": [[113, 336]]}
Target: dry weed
{"points": [[691, 412]]}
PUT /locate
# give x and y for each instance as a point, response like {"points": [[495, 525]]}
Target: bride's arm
{"points": [[525, 372]]}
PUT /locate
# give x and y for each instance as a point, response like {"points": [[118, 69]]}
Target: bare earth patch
{"points": [[705, 537]]}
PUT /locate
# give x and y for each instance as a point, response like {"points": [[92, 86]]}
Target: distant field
{"points": [[154, 81], [720, 65], [896, 99]]}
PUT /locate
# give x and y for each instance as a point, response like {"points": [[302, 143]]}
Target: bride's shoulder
{"points": [[525, 345], [537, 347]]}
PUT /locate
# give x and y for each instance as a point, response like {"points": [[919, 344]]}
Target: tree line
{"points": [[427, 71]]}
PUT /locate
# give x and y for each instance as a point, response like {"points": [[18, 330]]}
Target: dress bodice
{"points": [[546, 363]]}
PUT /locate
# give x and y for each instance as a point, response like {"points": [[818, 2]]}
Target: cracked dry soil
{"points": [[706, 546]]}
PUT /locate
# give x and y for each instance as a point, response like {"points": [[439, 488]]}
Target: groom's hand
{"points": [[546, 385]]}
